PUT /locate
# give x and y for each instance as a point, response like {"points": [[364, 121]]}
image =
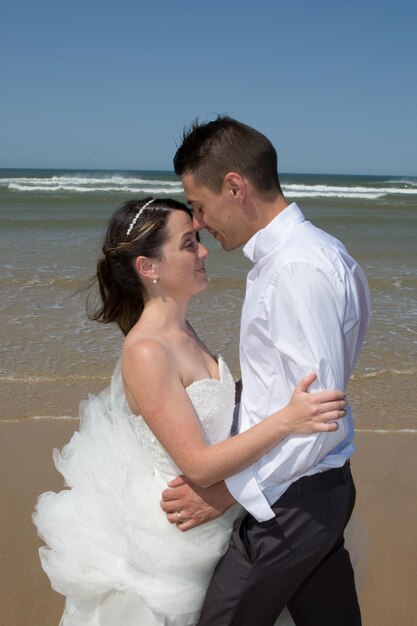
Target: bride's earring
{"points": [[155, 277]]}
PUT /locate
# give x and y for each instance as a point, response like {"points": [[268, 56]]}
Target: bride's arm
{"points": [[155, 391]]}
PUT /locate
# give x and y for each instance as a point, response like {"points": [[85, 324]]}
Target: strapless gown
{"points": [[109, 548]]}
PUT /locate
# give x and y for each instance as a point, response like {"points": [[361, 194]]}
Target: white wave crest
{"points": [[385, 372], [12, 378], [114, 183], [104, 189], [93, 184], [338, 191], [380, 431], [317, 194], [87, 180], [16, 420]]}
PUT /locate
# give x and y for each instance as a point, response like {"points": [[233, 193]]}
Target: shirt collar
{"points": [[267, 238]]}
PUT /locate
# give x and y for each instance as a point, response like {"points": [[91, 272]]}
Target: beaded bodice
{"points": [[213, 401]]}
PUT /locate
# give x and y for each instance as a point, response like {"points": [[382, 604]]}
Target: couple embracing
{"points": [[251, 523]]}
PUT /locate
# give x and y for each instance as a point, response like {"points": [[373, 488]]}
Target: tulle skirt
{"points": [[108, 543]]}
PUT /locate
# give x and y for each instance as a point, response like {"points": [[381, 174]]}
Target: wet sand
{"points": [[384, 467]]}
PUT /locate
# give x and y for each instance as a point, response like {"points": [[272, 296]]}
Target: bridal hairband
{"points": [[137, 216]]}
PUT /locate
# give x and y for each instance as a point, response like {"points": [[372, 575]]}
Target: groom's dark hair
{"points": [[209, 151]]}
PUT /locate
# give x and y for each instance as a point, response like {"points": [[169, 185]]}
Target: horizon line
{"points": [[170, 171]]}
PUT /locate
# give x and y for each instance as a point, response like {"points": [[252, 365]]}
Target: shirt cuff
{"points": [[245, 489]]}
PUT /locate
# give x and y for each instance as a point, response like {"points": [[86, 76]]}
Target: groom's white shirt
{"points": [[306, 309]]}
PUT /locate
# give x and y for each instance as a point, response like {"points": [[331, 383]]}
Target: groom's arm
{"points": [[196, 504]]}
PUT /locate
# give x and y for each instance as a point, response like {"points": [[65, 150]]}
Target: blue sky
{"points": [[100, 84]]}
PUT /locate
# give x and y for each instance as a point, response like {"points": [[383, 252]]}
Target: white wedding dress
{"points": [[110, 549]]}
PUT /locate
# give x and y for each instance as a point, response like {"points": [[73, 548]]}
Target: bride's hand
{"points": [[313, 412]]}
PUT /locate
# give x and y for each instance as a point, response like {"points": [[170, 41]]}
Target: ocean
{"points": [[52, 222]]}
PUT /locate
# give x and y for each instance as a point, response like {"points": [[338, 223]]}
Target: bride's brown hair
{"points": [[123, 294]]}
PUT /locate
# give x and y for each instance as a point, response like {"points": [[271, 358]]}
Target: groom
{"points": [[306, 309]]}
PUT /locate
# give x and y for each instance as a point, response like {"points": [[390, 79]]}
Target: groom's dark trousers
{"points": [[297, 559]]}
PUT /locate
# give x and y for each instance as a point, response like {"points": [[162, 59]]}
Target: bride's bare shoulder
{"points": [[146, 351]]}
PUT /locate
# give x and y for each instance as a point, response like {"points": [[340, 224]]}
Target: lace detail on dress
{"points": [[150, 443], [210, 398]]}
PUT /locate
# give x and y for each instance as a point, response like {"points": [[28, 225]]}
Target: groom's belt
{"points": [[322, 481]]}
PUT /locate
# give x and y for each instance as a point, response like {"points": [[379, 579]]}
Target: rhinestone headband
{"points": [[137, 216]]}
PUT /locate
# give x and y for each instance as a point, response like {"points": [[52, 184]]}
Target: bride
{"points": [[109, 548]]}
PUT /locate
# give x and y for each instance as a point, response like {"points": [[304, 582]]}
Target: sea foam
{"points": [[141, 185]]}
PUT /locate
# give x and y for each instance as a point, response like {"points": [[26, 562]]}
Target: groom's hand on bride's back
{"points": [[187, 505]]}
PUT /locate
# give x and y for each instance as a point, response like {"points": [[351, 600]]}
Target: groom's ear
{"points": [[235, 185]]}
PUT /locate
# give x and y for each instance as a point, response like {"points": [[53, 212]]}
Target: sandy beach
{"points": [[385, 467]]}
